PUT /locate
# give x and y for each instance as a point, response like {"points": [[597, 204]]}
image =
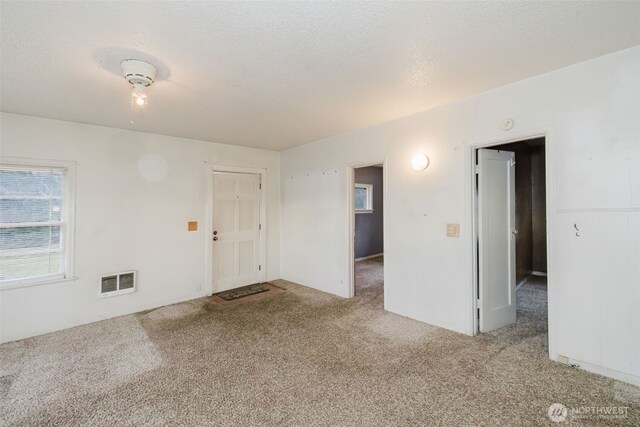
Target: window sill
{"points": [[364, 211], [29, 283]]}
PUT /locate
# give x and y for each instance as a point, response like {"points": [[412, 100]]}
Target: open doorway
{"points": [[511, 238], [368, 220]]}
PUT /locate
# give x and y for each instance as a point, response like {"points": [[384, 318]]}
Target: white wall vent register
{"points": [[117, 284]]}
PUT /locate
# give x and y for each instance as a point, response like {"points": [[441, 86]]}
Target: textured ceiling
{"points": [[275, 75]]}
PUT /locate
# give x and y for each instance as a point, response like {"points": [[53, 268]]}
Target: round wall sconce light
{"points": [[420, 162]]}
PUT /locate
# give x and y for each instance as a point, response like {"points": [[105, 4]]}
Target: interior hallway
{"points": [[300, 357]]}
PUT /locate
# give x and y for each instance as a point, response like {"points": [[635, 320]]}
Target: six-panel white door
{"points": [[496, 236], [236, 230]]}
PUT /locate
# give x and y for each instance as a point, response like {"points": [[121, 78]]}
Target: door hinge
{"points": [[260, 186], [477, 170], [513, 163], [259, 268], [259, 226]]}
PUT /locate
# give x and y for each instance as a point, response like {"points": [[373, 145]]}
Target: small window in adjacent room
{"points": [[363, 198], [36, 222]]}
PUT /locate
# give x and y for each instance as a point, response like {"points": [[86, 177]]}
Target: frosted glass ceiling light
{"points": [[138, 94], [140, 75], [419, 162]]}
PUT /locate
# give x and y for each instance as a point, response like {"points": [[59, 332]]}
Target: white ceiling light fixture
{"points": [[141, 75], [419, 162]]}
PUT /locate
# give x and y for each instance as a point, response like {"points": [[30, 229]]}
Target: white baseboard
{"points": [[368, 257], [342, 293], [429, 321], [533, 273], [606, 372], [521, 283], [67, 324]]}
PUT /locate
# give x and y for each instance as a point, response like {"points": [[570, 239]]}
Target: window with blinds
{"points": [[32, 223]]}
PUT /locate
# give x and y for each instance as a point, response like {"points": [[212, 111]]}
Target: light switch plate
{"points": [[192, 225], [453, 230]]}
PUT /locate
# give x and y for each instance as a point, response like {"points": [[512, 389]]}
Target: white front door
{"points": [[496, 234], [236, 230]]}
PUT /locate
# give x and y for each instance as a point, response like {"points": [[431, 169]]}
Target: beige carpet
{"points": [[297, 358], [370, 282]]}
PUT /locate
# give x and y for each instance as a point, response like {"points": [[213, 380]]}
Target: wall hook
{"points": [[577, 230]]}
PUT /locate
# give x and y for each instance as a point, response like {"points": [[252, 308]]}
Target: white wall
{"points": [[591, 112], [150, 237]]}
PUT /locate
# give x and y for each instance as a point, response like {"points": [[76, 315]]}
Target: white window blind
{"points": [[32, 222]]}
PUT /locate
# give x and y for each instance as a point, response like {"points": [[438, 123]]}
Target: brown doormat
{"points": [[267, 286], [245, 291]]}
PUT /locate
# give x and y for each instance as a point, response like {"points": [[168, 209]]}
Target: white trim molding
{"points": [[351, 220], [68, 224], [368, 201], [364, 258], [471, 205]]}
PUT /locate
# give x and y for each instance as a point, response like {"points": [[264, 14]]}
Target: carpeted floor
{"points": [[370, 282], [296, 358]]}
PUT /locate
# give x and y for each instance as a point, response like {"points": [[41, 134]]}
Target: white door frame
{"points": [[550, 189], [351, 220], [209, 170]]}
